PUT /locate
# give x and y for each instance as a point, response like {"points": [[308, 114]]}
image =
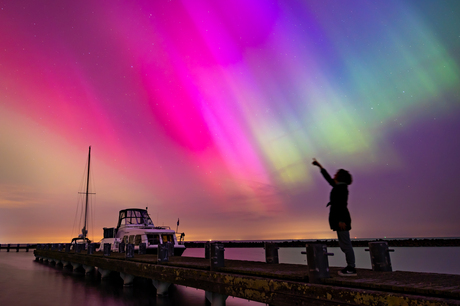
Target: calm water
{"points": [[26, 282]]}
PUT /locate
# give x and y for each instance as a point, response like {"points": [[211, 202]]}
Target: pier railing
{"points": [[17, 246]]}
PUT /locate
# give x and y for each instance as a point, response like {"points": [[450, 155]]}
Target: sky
{"points": [[211, 112]]}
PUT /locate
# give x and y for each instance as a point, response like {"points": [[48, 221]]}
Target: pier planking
{"points": [[279, 284]]}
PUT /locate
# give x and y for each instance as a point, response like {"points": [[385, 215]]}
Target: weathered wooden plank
{"points": [[237, 281]]}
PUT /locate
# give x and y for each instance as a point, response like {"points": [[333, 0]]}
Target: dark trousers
{"points": [[346, 247]]}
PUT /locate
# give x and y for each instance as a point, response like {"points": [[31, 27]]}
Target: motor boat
{"points": [[135, 227]]}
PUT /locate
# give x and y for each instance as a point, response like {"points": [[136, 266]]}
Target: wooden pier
{"points": [[17, 246], [273, 284]]}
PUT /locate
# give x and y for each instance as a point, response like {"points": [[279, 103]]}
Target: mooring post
{"points": [[207, 249], [318, 263], [91, 248], [271, 253], [170, 248], [216, 258], [380, 256], [129, 250], [163, 253], [142, 248], [107, 249], [121, 247]]}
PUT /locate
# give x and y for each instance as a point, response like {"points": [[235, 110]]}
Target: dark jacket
{"points": [[338, 201]]}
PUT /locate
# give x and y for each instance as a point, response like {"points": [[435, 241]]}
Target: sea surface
{"points": [[23, 281]]}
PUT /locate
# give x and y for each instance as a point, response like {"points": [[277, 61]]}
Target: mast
{"points": [[84, 231]]}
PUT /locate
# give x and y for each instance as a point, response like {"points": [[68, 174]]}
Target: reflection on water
{"points": [[24, 281]]}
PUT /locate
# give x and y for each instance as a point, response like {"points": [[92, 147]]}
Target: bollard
{"points": [[91, 248], [121, 247], [271, 253], [207, 249], [67, 247], [142, 248], [163, 253], [216, 256], [380, 256], [129, 250], [107, 249], [318, 263], [170, 248]]}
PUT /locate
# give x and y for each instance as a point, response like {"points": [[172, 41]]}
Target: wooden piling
{"points": [[281, 284]]}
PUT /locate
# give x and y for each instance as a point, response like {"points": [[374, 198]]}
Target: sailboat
{"points": [[82, 238]]}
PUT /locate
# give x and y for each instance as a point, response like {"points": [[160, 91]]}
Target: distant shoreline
{"points": [[410, 242]]}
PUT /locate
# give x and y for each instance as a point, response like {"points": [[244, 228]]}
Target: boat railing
{"points": [[162, 227]]}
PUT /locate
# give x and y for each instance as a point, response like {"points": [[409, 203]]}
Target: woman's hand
{"points": [[316, 163]]}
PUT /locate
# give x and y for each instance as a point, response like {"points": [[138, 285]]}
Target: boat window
{"points": [[137, 240], [153, 239], [131, 239], [167, 238], [134, 217], [121, 217]]}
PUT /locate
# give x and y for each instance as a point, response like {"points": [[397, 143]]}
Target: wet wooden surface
{"points": [[276, 281]]}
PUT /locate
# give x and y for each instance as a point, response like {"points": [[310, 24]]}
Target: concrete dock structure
{"points": [[273, 284]]}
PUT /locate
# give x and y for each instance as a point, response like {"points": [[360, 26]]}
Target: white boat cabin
{"points": [[135, 227]]}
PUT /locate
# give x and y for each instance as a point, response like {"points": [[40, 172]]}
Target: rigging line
{"points": [[79, 201], [76, 217], [93, 202]]}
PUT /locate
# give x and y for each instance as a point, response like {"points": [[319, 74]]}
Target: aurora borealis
{"points": [[211, 112]]}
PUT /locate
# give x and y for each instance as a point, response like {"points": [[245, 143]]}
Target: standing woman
{"points": [[339, 216]]}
